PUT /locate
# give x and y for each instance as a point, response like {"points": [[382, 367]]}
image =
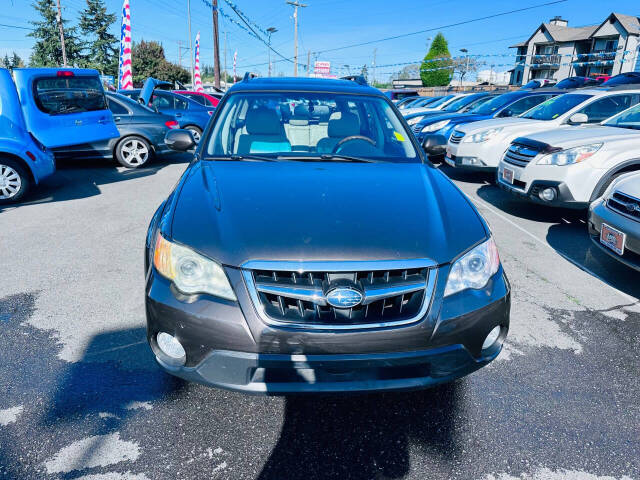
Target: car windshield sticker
{"points": [[399, 136]]}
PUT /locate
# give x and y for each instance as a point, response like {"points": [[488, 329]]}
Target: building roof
{"points": [[562, 34]]}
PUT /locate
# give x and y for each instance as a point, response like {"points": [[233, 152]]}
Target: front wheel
{"points": [[14, 181], [195, 131], [133, 152]]}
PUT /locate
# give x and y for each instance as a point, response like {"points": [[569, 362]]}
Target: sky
{"points": [[329, 25]]}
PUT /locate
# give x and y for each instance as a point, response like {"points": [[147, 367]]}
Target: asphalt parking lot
{"points": [[83, 398]]}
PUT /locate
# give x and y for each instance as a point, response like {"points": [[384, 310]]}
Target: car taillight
{"points": [[65, 73], [171, 124], [31, 155]]}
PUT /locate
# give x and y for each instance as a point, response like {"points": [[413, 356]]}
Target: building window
{"points": [[611, 45]]}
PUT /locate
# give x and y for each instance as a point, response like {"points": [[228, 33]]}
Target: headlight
{"points": [[189, 271], [473, 269], [570, 156], [435, 126], [414, 120], [482, 136]]}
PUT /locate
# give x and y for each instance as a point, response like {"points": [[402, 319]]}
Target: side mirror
{"points": [[578, 119], [506, 113], [179, 140]]}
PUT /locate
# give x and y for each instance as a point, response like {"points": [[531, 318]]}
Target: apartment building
{"points": [[556, 51]]}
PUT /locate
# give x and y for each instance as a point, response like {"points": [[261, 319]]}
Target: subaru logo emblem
{"points": [[344, 297], [632, 207]]}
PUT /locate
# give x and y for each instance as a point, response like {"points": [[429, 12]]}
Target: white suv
{"points": [[572, 167], [481, 145]]}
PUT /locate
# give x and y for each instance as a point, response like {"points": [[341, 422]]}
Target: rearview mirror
{"points": [[179, 140], [578, 118]]}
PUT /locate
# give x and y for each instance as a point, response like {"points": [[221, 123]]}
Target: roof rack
{"points": [[248, 76], [359, 79]]}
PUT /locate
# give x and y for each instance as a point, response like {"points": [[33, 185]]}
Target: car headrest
{"points": [[301, 111], [322, 113], [343, 124], [263, 121]]}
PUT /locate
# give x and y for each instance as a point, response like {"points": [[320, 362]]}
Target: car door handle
{"points": [[115, 119]]}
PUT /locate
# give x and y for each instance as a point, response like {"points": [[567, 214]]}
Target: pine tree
{"points": [[47, 50], [441, 76], [16, 61], [6, 63], [100, 46]]}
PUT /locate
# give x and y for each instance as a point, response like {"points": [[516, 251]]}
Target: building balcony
{"points": [[546, 61], [597, 55]]}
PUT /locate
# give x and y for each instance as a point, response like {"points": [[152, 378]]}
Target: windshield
{"points": [[628, 119], [440, 101], [460, 103], [496, 103], [310, 126], [556, 106], [64, 95]]}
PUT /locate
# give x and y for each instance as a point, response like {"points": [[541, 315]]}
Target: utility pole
{"points": [[180, 52], [64, 50], [216, 44], [225, 60], [190, 39], [308, 63], [295, 5], [375, 50], [270, 31]]}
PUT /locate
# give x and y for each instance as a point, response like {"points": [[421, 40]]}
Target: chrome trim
{"points": [[299, 292], [429, 288], [338, 266], [372, 294]]}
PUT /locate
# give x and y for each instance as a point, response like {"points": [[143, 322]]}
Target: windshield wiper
{"points": [[345, 158], [235, 158]]}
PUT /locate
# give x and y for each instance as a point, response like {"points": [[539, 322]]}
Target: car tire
{"points": [[14, 181], [133, 151], [196, 131]]}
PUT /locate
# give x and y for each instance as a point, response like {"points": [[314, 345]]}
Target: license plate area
{"points": [[612, 238]]}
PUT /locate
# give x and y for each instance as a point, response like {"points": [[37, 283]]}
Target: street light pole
{"points": [[270, 31]]}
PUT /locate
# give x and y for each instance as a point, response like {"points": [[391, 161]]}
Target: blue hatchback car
{"points": [[46, 108], [191, 115]]}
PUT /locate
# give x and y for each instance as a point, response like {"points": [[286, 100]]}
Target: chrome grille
{"points": [[624, 204], [519, 154], [456, 136], [394, 292]]}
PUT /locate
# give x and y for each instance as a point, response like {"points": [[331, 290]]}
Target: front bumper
{"points": [[227, 344], [472, 157], [599, 213]]}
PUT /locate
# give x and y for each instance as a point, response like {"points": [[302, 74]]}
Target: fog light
{"points": [[548, 194], [469, 161], [491, 338], [172, 349]]}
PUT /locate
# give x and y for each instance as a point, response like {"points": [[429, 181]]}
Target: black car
{"points": [[318, 254], [623, 79], [142, 131]]}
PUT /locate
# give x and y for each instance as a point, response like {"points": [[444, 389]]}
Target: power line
{"points": [[403, 35]]}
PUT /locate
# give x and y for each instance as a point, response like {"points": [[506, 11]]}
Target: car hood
{"points": [[238, 211], [513, 123], [629, 184], [569, 137]]}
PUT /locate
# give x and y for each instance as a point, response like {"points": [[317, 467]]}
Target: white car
{"points": [[435, 106], [481, 145], [572, 167]]}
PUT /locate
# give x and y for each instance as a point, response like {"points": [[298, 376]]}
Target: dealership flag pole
{"points": [[197, 78], [125, 76]]}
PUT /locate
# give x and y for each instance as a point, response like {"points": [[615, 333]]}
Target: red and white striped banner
{"points": [[125, 76], [197, 80]]}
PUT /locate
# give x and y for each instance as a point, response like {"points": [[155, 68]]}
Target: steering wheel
{"points": [[351, 138]]}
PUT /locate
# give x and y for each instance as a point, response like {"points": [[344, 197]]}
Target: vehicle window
{"points": [[476, 102], [305, 126], [162, 101], [524, 104], [63, 95], [180, 103], [116, 108], [627, 119], [495, 103], [460, 103], [599, 110], [556, 106], [196, 98], [440, 101]]}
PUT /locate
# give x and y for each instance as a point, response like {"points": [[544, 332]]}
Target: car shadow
{"points": [[467, 176], [568, 235], [365, 436], [81, 178]]}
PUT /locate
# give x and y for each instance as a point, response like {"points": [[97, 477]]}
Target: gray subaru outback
{"points": [[310, 247]]}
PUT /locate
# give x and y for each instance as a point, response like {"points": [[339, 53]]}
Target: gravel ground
{"points": [[83, 398]]}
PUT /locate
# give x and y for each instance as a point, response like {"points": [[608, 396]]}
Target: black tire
{"points": [[196, 131], [133, 151], [15, 181]]}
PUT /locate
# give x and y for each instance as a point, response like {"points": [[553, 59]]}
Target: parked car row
{"points": [[573, 148], [48, 114]]}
